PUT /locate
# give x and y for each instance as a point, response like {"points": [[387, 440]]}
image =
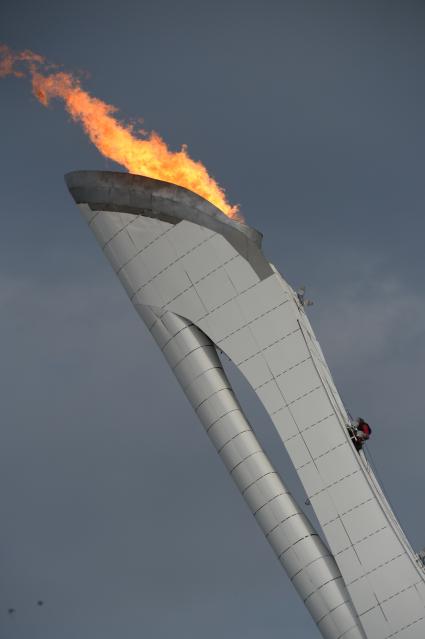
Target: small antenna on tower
{"points": [[302, 299]]}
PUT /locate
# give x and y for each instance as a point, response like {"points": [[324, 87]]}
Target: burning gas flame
{"points": [[148, 155]]}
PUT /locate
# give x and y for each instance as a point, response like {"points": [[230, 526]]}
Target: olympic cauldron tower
{"points": [[200, 283]]}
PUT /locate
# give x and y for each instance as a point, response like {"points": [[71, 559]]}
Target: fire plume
{"points": [[144, 155]]}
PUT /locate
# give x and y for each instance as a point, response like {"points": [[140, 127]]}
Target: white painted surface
{"points": [[196, 273], [301, 552]]}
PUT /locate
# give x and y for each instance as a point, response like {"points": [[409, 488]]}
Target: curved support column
{"points": [[306, 560]]}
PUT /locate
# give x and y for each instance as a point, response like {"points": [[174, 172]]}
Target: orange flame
{"points": [[119, 142]]}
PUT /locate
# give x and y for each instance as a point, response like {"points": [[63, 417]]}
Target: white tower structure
{"points": [[200, 282]]}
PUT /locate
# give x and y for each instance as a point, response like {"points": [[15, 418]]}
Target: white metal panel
{"points": [[106, 224], [160, 254], [256, 370], [241, 274], [201, 260], [298, 451], [378, 549], [304, 550], [350, 634], [225, 429], [274, 325], [135, 273], [250, 470], [323, 436], [240, 345], [286, 353], [271, 396], [223, 248], [315, 573], [421, 590], [261, 298], [185, 236], [215, 289], [350, 565], [340, 495], [350, 492], [159, 332], [120, 249], [337, 536], [323, 506], [145, 230], [172, 282], [393, 578], [263, 490], [150, 295], [147, 315], [337, 463], [175, 350], [270, 515], [313, 408], [364, 520], [414, 630], [200, 389], [286, 535], [188, 304], [223, 322], [207, 257], [285, 423], [238, 449], [311, 480], [364, 599], [335, 622], [194, 363], [127, 283], [362, 595], [298, 381], [375, 624], [174, 323], [318, 598], [87, 213], [215, 407]]}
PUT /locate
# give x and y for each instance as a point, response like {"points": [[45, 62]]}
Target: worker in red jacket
{"points": [[360, 432]]}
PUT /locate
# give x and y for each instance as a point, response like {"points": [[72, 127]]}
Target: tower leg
{"points": [[302, 553]]}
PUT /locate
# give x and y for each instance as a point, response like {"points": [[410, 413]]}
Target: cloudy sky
{"points": [[115, 510]]}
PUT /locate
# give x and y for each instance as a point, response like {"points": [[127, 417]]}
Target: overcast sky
{"points": [[115, 510]]}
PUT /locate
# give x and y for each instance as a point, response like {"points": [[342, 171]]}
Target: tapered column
{"points": [[300, 550]]}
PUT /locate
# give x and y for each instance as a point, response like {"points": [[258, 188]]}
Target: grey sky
{"points": [[311, 115]]}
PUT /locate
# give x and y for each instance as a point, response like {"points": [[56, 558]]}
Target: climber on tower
{"points": [[360, 432]]}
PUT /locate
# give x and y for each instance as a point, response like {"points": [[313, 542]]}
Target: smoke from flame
{"points": [[148, 155]]}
